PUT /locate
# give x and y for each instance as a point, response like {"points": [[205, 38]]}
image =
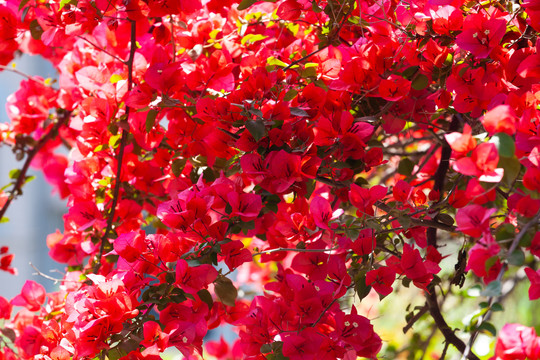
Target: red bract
{"points": [[482, 33], [473, 220], [516, 342], [32, 296], [500, 119], [259, 164], [381, 280], [479, 254], [482, 163], [534, 278], [364, 199]]}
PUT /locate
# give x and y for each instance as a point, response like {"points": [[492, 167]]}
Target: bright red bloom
{"points": [[473, 220], [517, 342], [482, 163], [5, 308], [194, 278], [461, 143], [501, 118], [483, 250], [481, 33], [534, 278], [394, 88], [364, 199], [381, 279], [32, 296]]}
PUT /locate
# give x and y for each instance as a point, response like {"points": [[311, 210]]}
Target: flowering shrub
{"points": [[260, 164]]}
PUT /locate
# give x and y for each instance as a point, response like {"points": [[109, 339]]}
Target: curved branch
{"points": [[17, 187], [448, 333]]}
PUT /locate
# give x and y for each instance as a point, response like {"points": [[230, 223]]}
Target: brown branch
{"points": [[120, 157], [17, 187], [511, 249], [296, 62], [295, 250], [415, 318], [420, 222], [440, 175], [447, 332]]}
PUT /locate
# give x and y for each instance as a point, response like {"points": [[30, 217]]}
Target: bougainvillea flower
{"points": [[501, 118], [485, 249], [5, 308], [481, 34], [322, 213], [473, 220], [394, 88], [482, 163], [534, 278], [363, 199], [194, 278], [381, 280], [461, 143], [517, 342], [32, 296]]}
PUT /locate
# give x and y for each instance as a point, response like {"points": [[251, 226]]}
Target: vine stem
{"points": [[120, 157], [17, 187], [295, 250], [511, 249]]}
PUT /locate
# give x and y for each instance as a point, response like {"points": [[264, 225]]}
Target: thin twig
{"points": [[123, 143], [295, 250], [511, 249], [17, 187]]}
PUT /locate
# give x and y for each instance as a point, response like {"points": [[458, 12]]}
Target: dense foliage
{"points": [[257, 163]]}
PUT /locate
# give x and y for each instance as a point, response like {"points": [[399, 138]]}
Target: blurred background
{"points": [[37, 212]]}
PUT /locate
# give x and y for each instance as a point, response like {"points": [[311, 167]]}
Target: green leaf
{"points": [[252, 38], [35, 30], [405, 167], [420, 82], [4, 220], [115, 354], [493, 289], [488, 327], [14, 174], [266, 348], [504, 143], [517, 258], [9, 333], [511, 167], [410, 71], [65, 2], [23, 4], [362, 290], [178, 166], [225, 291], [151, 119], [299, 112], [256, 128], [497, 307], [244, 4], [289, 95], [273, 61]]}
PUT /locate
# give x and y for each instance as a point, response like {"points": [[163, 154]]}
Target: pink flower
{"points": [[534, 278], [473, 220], [517, 342], [482, 163], [32, 296], [381, 280], [481, 34]]}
